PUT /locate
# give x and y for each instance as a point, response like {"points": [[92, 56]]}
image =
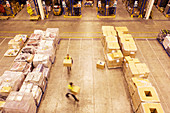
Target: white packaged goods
{"points": [[37, 79], [42, 59], [46, 73], [49, 31], [12, 52], [39, 68], [28, 49], [47, 44], [10, 81], [35, 37], [166, 42], [33, 43], [21, 67], [12, 44], [24, 57], [18, 102], [31, 88], [40, 32], [20, 36]]}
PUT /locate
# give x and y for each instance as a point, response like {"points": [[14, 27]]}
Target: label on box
{"points": [[141, 76], [117, 61], [132, 52], [126, 64], [18, 98]]}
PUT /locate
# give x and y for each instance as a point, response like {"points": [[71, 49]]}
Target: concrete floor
{"points": [[102, 91]]}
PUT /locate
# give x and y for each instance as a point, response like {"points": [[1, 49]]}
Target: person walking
{"points": [[70, 88], [69, 58]]}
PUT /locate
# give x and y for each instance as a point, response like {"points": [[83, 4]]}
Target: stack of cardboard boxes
{"points": [[141, 90], [126, 42], [113, 54]]}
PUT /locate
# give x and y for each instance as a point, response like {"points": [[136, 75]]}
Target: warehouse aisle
{"points": [[102, 91], [22, 15], [152, 53]]}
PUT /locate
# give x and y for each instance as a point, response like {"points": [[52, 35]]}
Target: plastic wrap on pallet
{"points": [[52, 34], [33, 43], [36, 78], [162, 34], [32, 88], [42, 59], [45, 71], [21, 37], [24, 57], [21, 67], [35, 36], [40, 32], [28, 49], [18, 102], [10, 81], [13, 44], [166, 42]]}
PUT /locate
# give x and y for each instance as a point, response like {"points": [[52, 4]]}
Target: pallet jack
{"points": [[57, 7]]}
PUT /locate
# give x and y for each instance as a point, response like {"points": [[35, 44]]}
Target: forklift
{"points": [[57, 7]]}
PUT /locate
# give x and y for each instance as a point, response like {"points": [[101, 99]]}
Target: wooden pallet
{"points": [[35, 18]]}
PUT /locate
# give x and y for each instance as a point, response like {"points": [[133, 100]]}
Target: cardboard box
{"points": [[144, 95], [121, 35], [137, 82], [122, 29], [150, 108], [100, 64], [2, 103], [76, 90], [111, 46], [67, 62], [129, 49], [129, 40], [114, 59]]}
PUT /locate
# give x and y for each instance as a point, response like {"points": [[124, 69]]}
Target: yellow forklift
{"points": [[57, 7]]}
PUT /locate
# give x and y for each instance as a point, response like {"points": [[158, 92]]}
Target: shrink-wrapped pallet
{"points": [[21, 67], [29, 49], [52, 34], [18, 102], [36, 78], [21, 37], [24, 57], [42, 59], [34, 43], [32, 88], [35, 36], [10, 81], [166, 42], [144, 95], [12, 44]]}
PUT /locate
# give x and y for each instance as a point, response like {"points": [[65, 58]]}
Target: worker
{"points": [[69, 57], [70, 88]]}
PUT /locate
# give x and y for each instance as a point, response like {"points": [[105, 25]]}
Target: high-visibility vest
{"points": [[70, 87], [68, 58]]}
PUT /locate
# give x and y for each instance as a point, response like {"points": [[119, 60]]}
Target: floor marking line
{"points": [[152, 76], [158, 58], [3, 41], [6, 37]]}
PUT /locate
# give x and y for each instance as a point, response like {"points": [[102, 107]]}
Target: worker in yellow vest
{"points": [[70, 88], [69, 57]]}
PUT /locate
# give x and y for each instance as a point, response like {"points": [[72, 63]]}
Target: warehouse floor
{"points": [[102, 91]]}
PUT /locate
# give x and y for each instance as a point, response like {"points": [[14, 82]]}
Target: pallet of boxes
{"points": [[27, 79], [144, 97], [112, 52]]}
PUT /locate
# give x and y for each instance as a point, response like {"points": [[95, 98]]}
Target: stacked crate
{"points": [[33, 6], [126, 42], [113, 54], [141, 90]]}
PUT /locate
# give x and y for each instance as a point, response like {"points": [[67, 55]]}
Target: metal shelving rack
{"points": [[106, 8], [72, 8]]}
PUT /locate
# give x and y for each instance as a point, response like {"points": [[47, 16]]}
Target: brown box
{"points": [[129, 49], [122, 29], [144, 95], [137, 82], [114, 59], [100, 64], [2, 103], [111, 46], [67, 62], [121, 35], [76, 90], [150, 108]]}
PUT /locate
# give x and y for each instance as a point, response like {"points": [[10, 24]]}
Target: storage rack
{"points": [[69, 7], [109, 7]]}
